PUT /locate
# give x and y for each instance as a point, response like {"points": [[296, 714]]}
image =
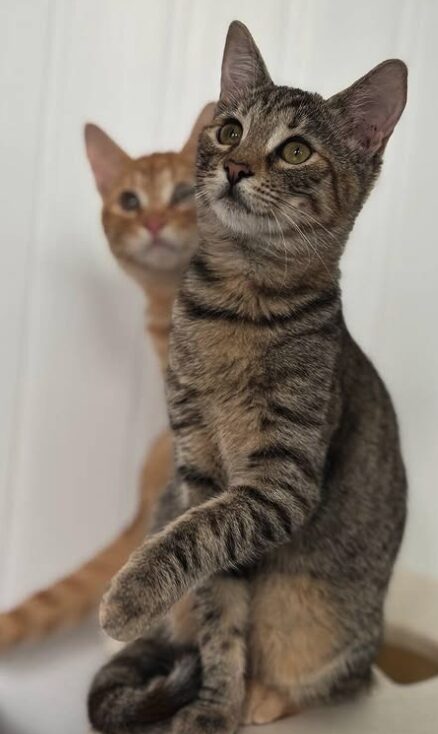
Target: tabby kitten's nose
{"points": [[236, 171]]}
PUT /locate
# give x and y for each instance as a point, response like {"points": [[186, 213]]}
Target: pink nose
{"points": [[154, 222], [236, 171]]}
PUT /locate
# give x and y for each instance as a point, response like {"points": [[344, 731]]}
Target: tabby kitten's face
{"points": [[280, 160], [148, 211]]}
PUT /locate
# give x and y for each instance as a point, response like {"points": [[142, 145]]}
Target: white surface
{"points": [[46, 689], [79, 392]]}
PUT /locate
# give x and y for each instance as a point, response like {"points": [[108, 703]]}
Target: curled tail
{"points": [[68, 600], [146, 683]]}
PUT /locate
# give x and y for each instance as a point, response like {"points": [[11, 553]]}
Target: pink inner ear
{"points": [[384, 111], [107, 160], [242, 63], [374, 104]]}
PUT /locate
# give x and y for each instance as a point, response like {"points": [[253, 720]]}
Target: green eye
{"points": [[230, 133], [295, 152]]}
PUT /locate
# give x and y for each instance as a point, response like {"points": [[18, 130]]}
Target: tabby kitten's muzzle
{"points": [[236, 171]]}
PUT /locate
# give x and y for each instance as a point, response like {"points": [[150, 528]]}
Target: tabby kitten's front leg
{"points": [[221, 609], [231, 529]]}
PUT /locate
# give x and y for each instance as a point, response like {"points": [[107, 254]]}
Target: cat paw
{"points": [[131, 604], [264, 705], [201, 720]]}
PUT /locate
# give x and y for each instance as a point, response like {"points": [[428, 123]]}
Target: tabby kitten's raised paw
{"points": [[141, 592], [132, 602]]}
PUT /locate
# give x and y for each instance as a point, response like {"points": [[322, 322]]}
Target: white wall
{"points": [[78, 388]]}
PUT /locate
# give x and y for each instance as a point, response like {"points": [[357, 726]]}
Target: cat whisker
{"points": [[318, 224], [284, 245], [309, 243]]}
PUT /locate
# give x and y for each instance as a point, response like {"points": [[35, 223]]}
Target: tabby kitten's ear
{"points": [[107, 160], [242, 63], [372, 106], [204, 118]]}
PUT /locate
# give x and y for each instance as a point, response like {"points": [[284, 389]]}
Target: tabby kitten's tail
{"points": [[144, 684], [69, 599]]}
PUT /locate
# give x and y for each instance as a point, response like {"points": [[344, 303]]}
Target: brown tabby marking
{"points": [[183, 621]]}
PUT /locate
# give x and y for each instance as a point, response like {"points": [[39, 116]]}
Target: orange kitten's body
{"points": [[153, 244], [155, 260]]}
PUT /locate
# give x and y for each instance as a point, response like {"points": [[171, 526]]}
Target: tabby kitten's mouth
{"points": [[232, 198]]}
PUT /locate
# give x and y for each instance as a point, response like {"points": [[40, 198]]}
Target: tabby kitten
{"points": [[153, 243], [289, 476]]}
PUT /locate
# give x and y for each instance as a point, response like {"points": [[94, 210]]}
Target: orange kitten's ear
{"points": [[204, 118], [107, 160]]}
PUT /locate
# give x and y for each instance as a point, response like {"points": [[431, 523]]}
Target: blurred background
{"points": [[80, 390]]}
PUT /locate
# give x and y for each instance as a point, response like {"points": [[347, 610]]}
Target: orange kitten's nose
{"points": [[154, 222]]}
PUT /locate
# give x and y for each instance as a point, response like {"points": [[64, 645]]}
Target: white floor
{"points": [[43, 687], [43, 690]]}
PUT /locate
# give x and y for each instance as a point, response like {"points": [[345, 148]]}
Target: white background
{"points": [[79, 390]]}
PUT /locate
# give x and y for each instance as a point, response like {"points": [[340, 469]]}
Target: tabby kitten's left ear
{"points": [[372, 106], [107, 160], [243, 67], [204, 118]]}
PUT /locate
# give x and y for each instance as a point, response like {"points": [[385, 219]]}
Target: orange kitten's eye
{"points": [[129, 201], [182, 192]]}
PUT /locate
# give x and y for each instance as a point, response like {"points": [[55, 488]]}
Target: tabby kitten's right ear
{"points": [[204, 118], [107, 160], [243, 67]]}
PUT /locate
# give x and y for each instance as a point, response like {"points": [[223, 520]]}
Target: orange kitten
{"points": [[149, 218]]}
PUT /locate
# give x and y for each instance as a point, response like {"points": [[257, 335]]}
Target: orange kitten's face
{"points": [[148, 209], [149, 214]]}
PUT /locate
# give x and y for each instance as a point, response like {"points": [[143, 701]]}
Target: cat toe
{"points": [[197, 720]]}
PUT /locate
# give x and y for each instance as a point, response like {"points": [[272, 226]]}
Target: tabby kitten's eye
{"points": [[230, 133], [129, 201], [295, 152], [182, 192]]}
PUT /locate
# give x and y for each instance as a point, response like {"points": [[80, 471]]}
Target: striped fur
{"points": [[289, 476]]}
